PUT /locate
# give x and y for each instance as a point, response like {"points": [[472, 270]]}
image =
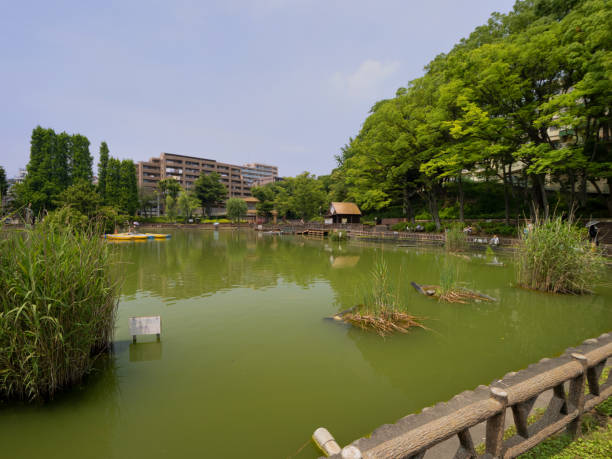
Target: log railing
{"points": [[573, 377]]}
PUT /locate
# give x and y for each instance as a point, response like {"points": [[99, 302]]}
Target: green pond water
{"points": [[247, 367]]}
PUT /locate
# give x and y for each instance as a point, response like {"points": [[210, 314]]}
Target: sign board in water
{"points": [[149, 325]]}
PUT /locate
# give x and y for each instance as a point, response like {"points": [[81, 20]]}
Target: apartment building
{"points": [[253, 172], [186, 169]]}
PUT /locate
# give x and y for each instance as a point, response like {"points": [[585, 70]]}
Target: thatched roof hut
{"points": [[344, 212]]}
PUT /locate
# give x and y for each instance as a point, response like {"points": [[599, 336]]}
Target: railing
{"points": [[576, 387]]}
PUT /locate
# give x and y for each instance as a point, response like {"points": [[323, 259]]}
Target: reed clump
{"points": [[58, 299], [382, 311], [456, 239], [555, 256]]}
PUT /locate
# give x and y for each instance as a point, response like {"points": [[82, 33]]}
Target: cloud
{"points": [[368, 81]]}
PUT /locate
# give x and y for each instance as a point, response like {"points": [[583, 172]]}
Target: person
{"points": [[468, 230], [593, 233], [494, 240]]}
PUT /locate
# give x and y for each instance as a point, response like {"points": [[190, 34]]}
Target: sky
{"points": [[281, 82]]}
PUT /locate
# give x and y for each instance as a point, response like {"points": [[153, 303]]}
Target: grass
{"points": [[381, 310], [58, 299], [556, 257], [456, 239]]}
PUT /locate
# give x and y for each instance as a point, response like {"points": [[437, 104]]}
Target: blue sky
{"points": [[283, 82]]}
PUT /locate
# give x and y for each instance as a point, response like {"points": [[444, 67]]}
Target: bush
{"points": [[556, 257], [430, 227], [401, 226], [58, 299], [423, 216]]}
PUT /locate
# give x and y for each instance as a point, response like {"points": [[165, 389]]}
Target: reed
{"points": [[456, 239], [58, 299], [382, 310], [556, 257]]}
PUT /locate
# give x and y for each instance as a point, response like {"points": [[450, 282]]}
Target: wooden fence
{"points": [[574, 379]]}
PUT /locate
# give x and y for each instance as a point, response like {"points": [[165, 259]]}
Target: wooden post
{"points": [[496, 424], [576, 396]]}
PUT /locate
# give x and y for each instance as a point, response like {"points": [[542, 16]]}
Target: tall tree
{"points": [[102, 169], [3, 183], [209, 190], [128, 192], [113, 183], [81, 159], [236, 209]]}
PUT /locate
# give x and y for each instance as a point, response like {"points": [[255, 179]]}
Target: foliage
{"points": [[102, 169], [171, 208], [209, 190], [556, 257], [236, 209], [3, 183], [58, 298], [456, 239], [491, 109], [302, 197], [68, 217], [187, 203], [82, 196], [169, 187]]}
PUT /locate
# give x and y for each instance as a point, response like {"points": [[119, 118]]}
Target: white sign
{"points": [[145, 325]]}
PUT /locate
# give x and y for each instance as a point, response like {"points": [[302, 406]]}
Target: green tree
{"points": [[102, 169], [209, 190], [80, 159], [187, 203], [169, 187], [3, 184], [236, 209], [265, 195], [113, 183], [82, 197], [128, 183], [171, 208], [308, 198]]}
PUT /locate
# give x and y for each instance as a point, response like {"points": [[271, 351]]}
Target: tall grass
{"points": [[382, 310], [58, 298], [556, 257], [456, 239]]}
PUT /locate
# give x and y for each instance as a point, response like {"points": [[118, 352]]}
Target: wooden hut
{"points": [[343, 212]]}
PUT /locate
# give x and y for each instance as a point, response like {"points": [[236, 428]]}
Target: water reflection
{"points": [[144, 352]]}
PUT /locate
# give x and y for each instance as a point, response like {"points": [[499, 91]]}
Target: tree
{"points": [[236, 209], [128, 182], [3, 184], [81, 160], [209, 190], [102, 169], [82, 197], [308, 198], [113, 183], [169, 187], [171, 207], [265, 195], [187, 203]]}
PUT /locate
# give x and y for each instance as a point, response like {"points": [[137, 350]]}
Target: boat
{"points": [[157, 236], [126, 237]]}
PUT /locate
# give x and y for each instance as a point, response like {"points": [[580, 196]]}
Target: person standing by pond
{"points": [[593, 233]]}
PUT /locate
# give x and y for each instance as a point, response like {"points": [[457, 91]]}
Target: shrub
{"points": [[430, 227], [401, 226], [58, 299], [556, 257], [423, 216]]}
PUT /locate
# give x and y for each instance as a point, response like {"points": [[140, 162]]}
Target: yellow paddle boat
{"points": [[127, 237], [157, 236]]}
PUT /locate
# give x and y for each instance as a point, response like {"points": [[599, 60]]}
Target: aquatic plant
{"points": [[381, 310], [456, 239], [555, 256], [58, 298]]}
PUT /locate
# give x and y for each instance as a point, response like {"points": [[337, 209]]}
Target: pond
{"points": [[247, 367]]}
